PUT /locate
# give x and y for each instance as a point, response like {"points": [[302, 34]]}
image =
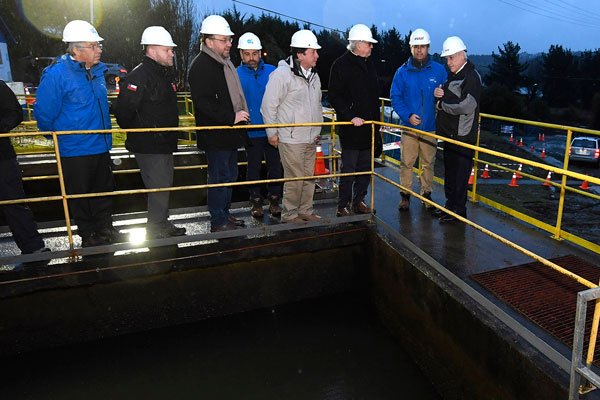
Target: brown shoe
{"points": [[235, 221], [361, 208], [257, 210], [309, 217], [274, 208], [225, 227]]}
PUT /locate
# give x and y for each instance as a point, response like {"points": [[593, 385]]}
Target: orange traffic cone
{"points": [[117, 88], [486, 172], [543, 155], [548, 178], [584, 186], [511, 138], [29, 99], [320, 163], [519, 170], [532, 148], [513, 182], [472, 177], [539, 137], [543, 137], [520, 144]]}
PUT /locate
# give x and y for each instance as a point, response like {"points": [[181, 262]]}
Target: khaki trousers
{"points": [[413, 146], [297, 160]]}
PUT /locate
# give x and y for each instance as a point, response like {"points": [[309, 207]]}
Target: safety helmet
{"points": [[304, 39], [419, 37], [249, 41], [80, 31], [157, 35], [215, 25], [452, 45], [361, 32]]}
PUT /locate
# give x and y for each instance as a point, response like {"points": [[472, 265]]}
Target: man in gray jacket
{"points": [[293, 95]]}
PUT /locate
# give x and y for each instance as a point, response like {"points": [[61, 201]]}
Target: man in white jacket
{"points": [[293, 95]]}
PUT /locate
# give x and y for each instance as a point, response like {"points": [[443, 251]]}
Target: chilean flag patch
{"points": [[132, 87]]}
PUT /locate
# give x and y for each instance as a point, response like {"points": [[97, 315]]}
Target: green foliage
{"points": [[500, 100], [559, 66], [506, 69]]}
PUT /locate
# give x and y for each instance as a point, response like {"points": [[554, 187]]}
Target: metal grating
{"points": [[545, 296]]}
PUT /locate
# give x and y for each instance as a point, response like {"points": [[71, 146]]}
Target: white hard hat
{"points": [[452, 45], [419, 37], [80, 31], [361, 32], [157, 35], [215, 25], [304, 39], [249, 41]]}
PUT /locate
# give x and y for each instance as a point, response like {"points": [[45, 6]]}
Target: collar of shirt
{"points": [[305, 72]]}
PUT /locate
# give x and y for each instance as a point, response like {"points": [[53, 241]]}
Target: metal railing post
{"points": [[373, 165], [382, 117], [474, 198], [63, 191], [563, 184]]}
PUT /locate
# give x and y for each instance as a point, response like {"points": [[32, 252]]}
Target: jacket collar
{"points": [[77, 66]]}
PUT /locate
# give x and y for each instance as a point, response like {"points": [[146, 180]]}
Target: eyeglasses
{"points": [[230, 39], [94, 47]]}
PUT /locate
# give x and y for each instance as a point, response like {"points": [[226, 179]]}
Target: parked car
{"points": [[586, 149], [113, 71]]}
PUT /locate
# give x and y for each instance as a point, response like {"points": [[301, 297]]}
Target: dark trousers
{"points": [[18, 216], [89, 174], [222, 168], [157, 172], [258, 150], [353, 189], [458, 162]]}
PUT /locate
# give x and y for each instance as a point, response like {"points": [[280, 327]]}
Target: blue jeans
{"points": [[222, 168]]}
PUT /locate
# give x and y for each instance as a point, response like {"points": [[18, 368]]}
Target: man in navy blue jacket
{"points": [[412, 99], [72, 96], [254, 75]]}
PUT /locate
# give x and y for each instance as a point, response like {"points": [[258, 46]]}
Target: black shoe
{"points": [[112, 235], [447, 218], [343, 212], [225, 227], [166, 232], [436, 212], [235, 221], [93, 240]]}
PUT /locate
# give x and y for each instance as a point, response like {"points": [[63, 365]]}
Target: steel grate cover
{"points": [[545, 296]]}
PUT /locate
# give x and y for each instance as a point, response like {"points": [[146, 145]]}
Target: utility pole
{"points": [[92, 12]]}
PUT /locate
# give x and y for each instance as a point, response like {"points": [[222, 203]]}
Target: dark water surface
{"points": [[329, 348]]}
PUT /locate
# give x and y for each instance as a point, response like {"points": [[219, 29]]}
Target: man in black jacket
{"points": [[149, 100], [218, 101], [18, 216], [458, 119], [354, 94]]}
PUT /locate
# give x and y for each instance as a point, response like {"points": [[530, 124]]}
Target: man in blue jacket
{"points": [[72, 96], [412, 99], [254, 75]]}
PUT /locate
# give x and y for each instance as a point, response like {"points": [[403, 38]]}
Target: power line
{"points": [[553, 14], [289, 16]]}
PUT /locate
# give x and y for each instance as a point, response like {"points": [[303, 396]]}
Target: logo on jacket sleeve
{"points": [[174, 87], [132, 87]]}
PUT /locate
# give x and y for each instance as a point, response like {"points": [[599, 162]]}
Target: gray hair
{"points": [[352, 45], [71, 46]]}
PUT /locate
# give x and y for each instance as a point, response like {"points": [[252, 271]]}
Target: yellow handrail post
{"points": [[63, 191], [373, 165], [474, 198], [593, 333], [563, 184], [382, 113]]}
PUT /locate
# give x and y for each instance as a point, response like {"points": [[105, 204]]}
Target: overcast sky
{"points": [[482, 24]]}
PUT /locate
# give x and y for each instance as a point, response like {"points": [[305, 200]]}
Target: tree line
{"points": [[560, 78]]}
